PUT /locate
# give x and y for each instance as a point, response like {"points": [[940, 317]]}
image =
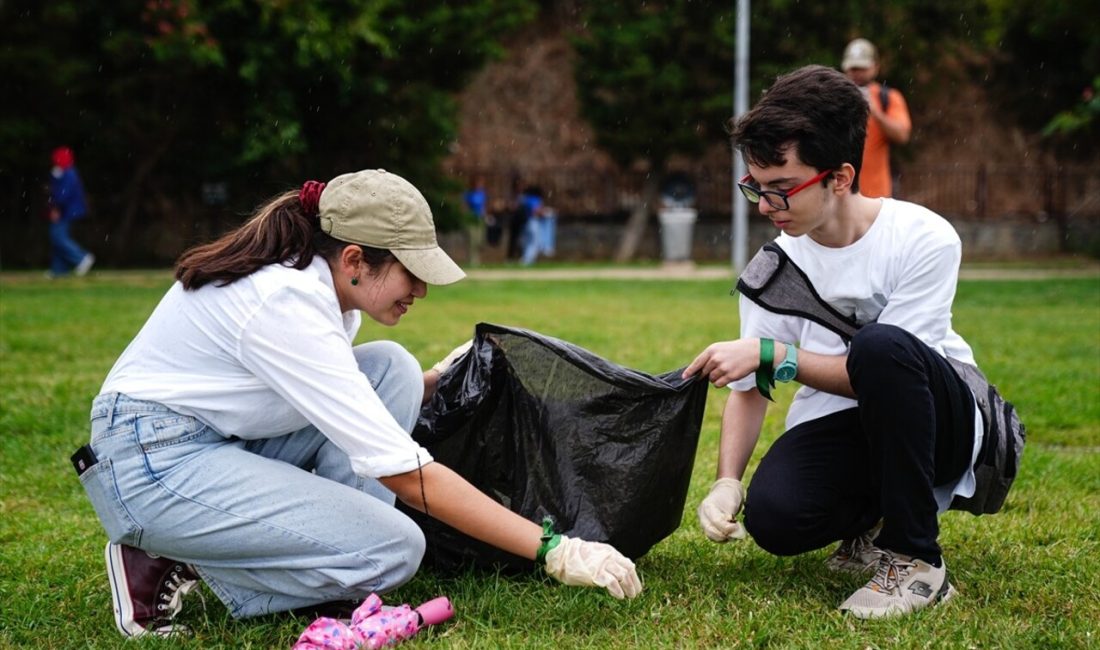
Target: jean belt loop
{"points": [[111, 410]]}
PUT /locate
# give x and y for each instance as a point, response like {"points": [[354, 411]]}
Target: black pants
{"points": [[517, 226], [834, 477]]}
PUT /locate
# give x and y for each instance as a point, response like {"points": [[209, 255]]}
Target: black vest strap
{"points": [[774, 282]]}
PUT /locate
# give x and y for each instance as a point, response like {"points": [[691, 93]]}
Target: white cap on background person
{"points": [[860, 53]]}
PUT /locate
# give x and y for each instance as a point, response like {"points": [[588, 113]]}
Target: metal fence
{"points": [[987, 191], [1005, 191]]}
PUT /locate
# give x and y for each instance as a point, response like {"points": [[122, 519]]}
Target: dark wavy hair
{"points": [[817, 109], [279, 232]]}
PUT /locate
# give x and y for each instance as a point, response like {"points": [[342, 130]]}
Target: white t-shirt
{"points": [[262, 357], [903, 271]]}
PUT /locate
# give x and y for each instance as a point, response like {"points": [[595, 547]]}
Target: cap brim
{"points": [[431, 265], [856, 63]]}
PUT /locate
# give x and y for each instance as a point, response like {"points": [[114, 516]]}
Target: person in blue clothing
{"points": [[476, 201], [539, 233], [67, 204]]}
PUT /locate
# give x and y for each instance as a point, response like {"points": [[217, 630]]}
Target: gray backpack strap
{"points": [[773, 281]]}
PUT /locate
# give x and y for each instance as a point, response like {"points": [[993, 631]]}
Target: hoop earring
{"points": [[355, 281]]}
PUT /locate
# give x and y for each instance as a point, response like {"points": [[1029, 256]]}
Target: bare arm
{"points": [[727, 361], [895, 122], [431, 382], [742, 419], [460, 505], [741, 422], [824, 372], [432, 375]]}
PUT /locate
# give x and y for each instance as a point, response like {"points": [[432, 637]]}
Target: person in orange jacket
{"points": [[888, 123]]}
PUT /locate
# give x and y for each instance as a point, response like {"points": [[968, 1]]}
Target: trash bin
{"points": [[677, 217], [677, 225]]}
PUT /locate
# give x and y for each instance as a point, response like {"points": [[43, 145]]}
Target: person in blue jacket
{"points": [[538, 237], [67, 204], [476, 200]]}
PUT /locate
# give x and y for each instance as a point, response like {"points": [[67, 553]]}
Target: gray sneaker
{"points": [[856, 555], [901, 585], [85, 265]]}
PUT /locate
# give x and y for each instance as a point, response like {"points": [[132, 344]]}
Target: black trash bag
{"points": [[547, 428]]}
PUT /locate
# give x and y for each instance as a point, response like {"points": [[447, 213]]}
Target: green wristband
{"points": [[765, 380], [549, 539]]}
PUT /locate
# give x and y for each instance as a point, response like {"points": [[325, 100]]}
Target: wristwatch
{"points": [[789, 368]]}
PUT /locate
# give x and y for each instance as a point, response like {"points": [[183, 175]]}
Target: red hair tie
{"points": [[310, 197]]}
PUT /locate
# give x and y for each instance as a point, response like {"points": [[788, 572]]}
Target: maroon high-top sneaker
{"points": [[147, 590]]}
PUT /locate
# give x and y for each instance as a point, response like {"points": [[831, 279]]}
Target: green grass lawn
{"points": [[1027, 577]]}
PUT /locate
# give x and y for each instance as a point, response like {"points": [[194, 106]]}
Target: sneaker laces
{"points": [[856, 546], [179, 583], [850, 548], [892, 569]]}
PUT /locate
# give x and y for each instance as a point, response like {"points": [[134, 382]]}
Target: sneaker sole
{"points": [[947, 595], [120, 599], [120, 592], [867, 614], [85, 265]]}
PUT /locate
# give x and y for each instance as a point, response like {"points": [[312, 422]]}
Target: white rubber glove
{"points": [[717, 511], [451, 357], [593, 564]]}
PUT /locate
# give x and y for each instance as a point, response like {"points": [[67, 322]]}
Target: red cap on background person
{"points": [[62, 157]]}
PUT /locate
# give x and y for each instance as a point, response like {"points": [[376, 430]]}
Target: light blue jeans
{"points": [[540, 238], [270, 525]]}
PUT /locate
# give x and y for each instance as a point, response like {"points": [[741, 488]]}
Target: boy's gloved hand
{"points": [[593, 564], [445, 362], [717, 511]]}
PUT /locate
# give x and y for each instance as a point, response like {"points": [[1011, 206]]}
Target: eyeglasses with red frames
{"points": [[778, 200]]}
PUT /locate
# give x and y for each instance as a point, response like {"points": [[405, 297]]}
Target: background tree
{"points": [[1081, 120], [655, 78], [161, 97], [1045, 63]]}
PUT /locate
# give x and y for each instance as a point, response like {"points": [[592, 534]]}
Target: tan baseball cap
{"points": [[860, 53], [376, 208]]}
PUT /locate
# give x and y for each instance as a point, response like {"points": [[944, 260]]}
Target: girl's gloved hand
{"points": [[445, 363], [593, 564]]}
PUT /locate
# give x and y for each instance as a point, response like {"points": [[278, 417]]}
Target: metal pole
{"points": [[740, 234]]}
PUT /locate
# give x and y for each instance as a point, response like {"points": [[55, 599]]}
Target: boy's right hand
{"points": [[593, 564], [726, 361], [717, 511]]}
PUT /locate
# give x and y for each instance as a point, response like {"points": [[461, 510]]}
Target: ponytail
{"points": [[281, 231]]}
